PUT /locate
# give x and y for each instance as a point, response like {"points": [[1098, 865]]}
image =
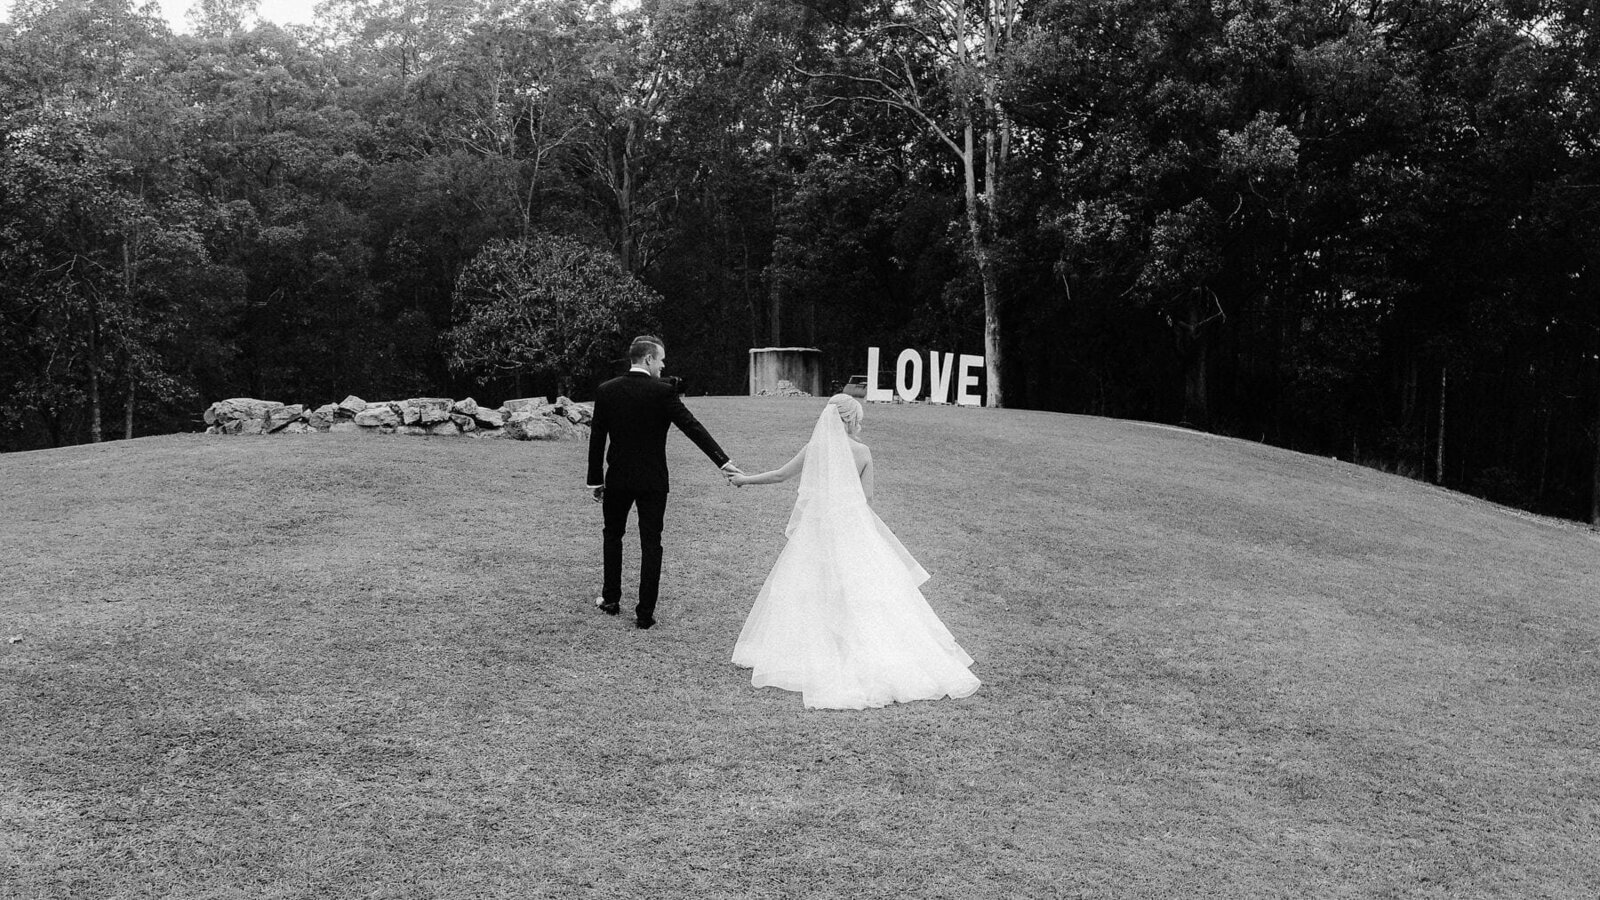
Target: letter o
{"points": [[909, 389]]}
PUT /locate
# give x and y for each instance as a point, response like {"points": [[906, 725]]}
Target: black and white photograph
{"points": [[799, 449]]}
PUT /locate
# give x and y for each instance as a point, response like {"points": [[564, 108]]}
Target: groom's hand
{"points": [[599, 493], [729, 470]]}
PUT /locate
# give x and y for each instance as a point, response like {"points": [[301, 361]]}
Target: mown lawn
{"points": [[336, 666]]}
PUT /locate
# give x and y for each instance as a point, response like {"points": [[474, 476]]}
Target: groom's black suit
{"points": [[631, 413]]}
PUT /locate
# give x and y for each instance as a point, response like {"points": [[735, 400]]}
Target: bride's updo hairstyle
{"points": [[850, 412]]}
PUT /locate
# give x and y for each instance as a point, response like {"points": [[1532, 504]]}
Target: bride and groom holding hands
{"points": [[841, 618]]}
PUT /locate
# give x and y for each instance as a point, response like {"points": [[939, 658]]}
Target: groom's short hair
{"points": [[643, 347]]}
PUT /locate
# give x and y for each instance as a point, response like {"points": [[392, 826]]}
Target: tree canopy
{"points": [[1361, 229], [548, 307]]}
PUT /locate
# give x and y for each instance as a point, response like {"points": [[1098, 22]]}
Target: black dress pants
{"points": [[652, 511]]}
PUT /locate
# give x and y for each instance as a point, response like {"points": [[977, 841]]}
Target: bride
{"points": [[840, 618]]}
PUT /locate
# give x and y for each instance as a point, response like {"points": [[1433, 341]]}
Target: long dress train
{"points": [[841, 618]]}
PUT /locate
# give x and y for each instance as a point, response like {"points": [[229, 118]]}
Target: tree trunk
{"points": [[1544, 452], [94, 405], [1196, 363], [94, 370], [127, 299], [775, 313], [1594, 495], [625, 203], [1438, 459], [994, 397], [997, 149], [127, 408]]}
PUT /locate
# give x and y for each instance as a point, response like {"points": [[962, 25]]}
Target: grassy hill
{"points": [[337, 666]]}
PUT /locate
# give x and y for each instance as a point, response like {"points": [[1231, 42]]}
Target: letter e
{"points": [[968, 379]]}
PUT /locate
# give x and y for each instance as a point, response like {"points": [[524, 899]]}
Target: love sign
{"points": [[941, 368]]}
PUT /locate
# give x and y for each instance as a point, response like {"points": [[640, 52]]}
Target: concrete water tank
{"points": [[800, 366]]}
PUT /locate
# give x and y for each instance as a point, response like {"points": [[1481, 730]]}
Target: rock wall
{"points": [[526, 419]]}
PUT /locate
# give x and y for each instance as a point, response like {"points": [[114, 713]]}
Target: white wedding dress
{"points": [[840, 618]]}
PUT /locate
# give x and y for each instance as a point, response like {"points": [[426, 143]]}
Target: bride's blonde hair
{"points": [[850, 411]]}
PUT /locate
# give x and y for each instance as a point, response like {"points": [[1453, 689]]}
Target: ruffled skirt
{"points": [[841, 619]]}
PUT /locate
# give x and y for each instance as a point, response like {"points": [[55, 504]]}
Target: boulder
{"points": [[279, 417], [295, 428], [464, 422], [576, 413], [467, 407], [374, 416], [349, 406], [244, 426], [410, 413], [345, 425], [445, 429], [413, 430], [432, 410], [321, 419], [529, 425], [489, 418], [565, 428], [511, 407], [238, 408]]}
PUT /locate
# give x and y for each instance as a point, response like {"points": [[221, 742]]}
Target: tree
{"points": [[548, 306], [627, 102], [943, 62]]}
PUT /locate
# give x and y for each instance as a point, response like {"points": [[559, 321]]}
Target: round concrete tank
{"points": [[800, 366]]}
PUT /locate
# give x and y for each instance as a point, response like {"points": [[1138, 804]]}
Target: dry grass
{"points": [[323, 666]]}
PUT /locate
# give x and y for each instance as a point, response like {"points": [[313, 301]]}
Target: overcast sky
{"points": [[283, 12]]}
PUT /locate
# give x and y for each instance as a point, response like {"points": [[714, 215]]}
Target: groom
{"points": [[633, 411]]}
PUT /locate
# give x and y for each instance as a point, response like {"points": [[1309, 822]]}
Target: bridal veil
{"points": [[841, 618]]}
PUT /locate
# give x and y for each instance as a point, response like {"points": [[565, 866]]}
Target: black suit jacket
{"points": [[631, 413]]}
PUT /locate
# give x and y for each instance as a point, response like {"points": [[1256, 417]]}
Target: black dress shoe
{"points": [[643, 623], [609, 609]]}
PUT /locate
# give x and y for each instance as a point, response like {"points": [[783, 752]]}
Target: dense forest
{"points": [[1368, 230]]}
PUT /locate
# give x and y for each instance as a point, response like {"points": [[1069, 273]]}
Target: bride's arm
{"points": [[866, 480], [789, 470]]}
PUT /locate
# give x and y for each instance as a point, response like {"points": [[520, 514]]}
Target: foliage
{"points": [[546, 306], [1366, 230]]}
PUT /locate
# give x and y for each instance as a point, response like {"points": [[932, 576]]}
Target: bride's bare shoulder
{"points": [[861, 452]]}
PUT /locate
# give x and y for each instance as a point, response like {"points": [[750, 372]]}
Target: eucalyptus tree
{"points": [[517, 76], [628, 95], [1176, 168], [393, 41], [104, 230], [943, 63], [1572, 29]]}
